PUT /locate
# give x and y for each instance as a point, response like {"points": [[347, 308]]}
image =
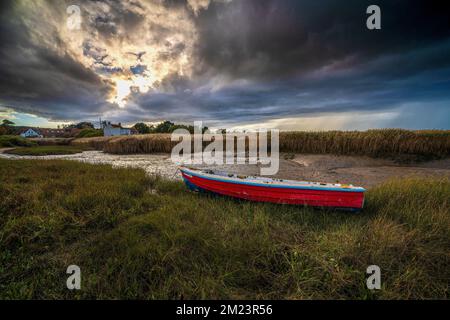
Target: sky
{"points": [[286, 64]]}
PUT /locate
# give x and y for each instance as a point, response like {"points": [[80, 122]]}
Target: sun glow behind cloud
{"points": [[124, 87], [132, 45]]}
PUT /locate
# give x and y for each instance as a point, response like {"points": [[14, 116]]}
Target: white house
{"points": [[31, 133], [110, 130]]}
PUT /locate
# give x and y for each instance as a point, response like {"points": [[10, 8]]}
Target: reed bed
{"points": [[150, 143], [97, 143], [374, 143]]}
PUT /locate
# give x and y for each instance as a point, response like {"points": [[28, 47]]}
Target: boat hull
{"points": [[296, 196]]}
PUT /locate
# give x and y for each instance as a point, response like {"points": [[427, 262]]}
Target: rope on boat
{"points": [[176, 171]]}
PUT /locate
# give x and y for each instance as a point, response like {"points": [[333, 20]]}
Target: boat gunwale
{"points": [[214, 177]]}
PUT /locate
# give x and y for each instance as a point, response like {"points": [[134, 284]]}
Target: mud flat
{"points": [[362, 171]]}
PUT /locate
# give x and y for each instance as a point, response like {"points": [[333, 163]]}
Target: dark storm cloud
{"points": [[273, 38], [106, 23], [384, 83], [255, 60], [311, 58], [36, 80]]}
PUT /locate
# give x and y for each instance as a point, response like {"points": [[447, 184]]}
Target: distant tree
{"points": [[169, 127], [165, 127], [6, 122], [6, 127], [142, 128], [89, 133], [189, 128], [84, 125], [69, 126]]}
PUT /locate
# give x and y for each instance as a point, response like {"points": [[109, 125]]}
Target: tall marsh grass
{"points": [[148, 143], [375, 143], [137, 237]]}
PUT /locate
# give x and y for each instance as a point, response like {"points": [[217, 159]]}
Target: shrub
{"points": [[15, 141], [89, 133]]}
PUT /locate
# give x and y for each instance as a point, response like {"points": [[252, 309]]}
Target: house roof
{"points": [[26, 129]]}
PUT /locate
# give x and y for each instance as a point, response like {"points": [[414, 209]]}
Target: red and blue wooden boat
{"points": [[264, 189]]}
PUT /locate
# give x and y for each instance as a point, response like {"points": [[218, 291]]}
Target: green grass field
{"points": [[45, 150], [146, 238], [7, 141]]}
